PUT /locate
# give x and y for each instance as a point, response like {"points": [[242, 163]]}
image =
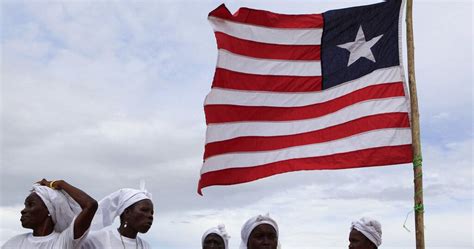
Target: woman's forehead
{"points": [[356, 234], [213, 236], [144, 203], [264, 228], [33, 196]]}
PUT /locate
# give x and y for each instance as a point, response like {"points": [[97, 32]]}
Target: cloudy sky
{"points": [[105, 93]]}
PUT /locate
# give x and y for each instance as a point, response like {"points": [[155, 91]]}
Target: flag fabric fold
{"points": [[305, 92]]}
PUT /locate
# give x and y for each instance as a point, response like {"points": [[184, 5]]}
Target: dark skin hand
{"points": [[263, 236], [213, 241], [138, 217], [357, 240], [88, 204], [35, 216]]}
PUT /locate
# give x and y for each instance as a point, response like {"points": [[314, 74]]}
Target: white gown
{"points": [[109, 238], [55, 240]]}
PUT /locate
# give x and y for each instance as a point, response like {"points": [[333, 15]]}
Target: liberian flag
{"points": [[305, 92]]}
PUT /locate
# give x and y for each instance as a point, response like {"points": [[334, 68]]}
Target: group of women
{"points": [[261, 232], [64, 217]]}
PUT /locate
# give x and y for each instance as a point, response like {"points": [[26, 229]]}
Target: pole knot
{"points": [[419, 208], [417, 161]]}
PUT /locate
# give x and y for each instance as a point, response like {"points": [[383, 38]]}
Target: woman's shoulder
{"points": [[107, 231], [97, 239], [143, 242], [12, 242]]}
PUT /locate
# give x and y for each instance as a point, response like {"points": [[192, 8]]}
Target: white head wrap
{"points": [[60, 205], [114, 204], [370, 228], [251, 224], [219, 230]]}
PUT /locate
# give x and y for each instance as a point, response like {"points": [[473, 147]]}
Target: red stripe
{"points": [[254, 143], [265, 50], [224, 78], [269, 19], [234, 113], [362, 158]]}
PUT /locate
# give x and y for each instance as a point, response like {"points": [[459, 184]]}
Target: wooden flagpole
{"points": [[415, 124]]}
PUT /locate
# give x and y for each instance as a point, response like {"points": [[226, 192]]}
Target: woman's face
{"points": [[35, 212], [139, 216], [263, 236], [357, 240], [213, 241]]}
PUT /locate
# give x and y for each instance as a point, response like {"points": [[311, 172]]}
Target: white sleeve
{"points": [[87, 243], [66, 238], [93, 240], [79, 241]]}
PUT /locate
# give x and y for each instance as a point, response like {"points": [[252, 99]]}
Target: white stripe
{"points": [[258, 98], [267, 35], [225, 131], [245, 64], [372, 139]]}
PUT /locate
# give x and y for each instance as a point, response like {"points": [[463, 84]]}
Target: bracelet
{"points": [[51, 184]]}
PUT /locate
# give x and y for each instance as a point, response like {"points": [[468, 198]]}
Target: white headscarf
{"points": [[252, 223], [60, 205], [219, 230], [114, 204], [370, 228]]}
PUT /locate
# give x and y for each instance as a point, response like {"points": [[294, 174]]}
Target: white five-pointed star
{"points": [[360, 47]]}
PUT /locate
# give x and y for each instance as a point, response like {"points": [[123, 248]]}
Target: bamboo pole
{"points": [[415, 124]]}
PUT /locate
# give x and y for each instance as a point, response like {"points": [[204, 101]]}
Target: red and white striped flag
{"points": [[305, 92]]}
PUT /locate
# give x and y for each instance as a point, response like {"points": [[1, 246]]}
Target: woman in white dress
{"points": [[215, 238], [260, 232], [59, 215], [135, 209]]}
